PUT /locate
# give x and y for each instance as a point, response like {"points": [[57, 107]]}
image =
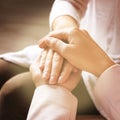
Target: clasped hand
{"points": [[78, 48]]}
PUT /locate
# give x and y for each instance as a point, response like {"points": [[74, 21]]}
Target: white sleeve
{"points": [[107, 93], [52, 102], [74, 8]]}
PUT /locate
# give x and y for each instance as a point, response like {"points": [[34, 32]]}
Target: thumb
{"points": [[36, 74], [57, 45]]}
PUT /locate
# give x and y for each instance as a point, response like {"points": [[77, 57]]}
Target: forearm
{"points": [[67, 13]]}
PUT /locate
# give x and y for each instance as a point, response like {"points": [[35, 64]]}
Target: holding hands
{"points": [[55, 68], [36, 72], [79, 49]]}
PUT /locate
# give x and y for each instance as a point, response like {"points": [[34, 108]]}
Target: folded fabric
{"points": [[23, 57]]}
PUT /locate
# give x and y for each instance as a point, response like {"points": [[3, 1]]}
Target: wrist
{"points": [[63, 22], [103, 66]]}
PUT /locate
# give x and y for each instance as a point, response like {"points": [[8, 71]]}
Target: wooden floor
{"points": [[23, 23]]}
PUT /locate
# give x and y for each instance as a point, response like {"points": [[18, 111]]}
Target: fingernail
{"points": [[41, 67], [52, 80], [60, 80], [45, 75]]}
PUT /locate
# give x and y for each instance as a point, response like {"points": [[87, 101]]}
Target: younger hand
{"points": [[80, 50]]}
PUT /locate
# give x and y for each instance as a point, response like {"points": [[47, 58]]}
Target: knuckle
{"points": [[73, 30], [58, 57]]}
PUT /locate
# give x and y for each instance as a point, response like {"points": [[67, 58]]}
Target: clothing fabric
{"points": [[52, 103], [23, 57], [107, 93]]}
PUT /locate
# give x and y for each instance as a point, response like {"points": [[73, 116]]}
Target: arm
{"points": [[64, 14], [52, 101], [80, 45]]}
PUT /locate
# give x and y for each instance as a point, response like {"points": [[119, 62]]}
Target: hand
{"points": [[36, 72], [55, 68], [82, 52]]}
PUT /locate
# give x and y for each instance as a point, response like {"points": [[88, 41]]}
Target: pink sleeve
{"points": [[53, 103], [107, 93], [74, 8]]}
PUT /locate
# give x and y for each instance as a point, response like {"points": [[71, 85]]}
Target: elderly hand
{"points": [[36, 72], [55, 68]]}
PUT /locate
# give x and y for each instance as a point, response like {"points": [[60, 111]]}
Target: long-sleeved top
{"points": [[52, 102]]}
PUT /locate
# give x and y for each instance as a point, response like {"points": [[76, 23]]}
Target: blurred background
{"points": [[23, 23]]}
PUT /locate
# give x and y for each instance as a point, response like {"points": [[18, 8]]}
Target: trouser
{"points": [[16, 95]]}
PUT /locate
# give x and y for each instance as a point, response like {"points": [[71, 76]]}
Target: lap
{"points": [[18, 92], [85, 104], [8, 70]]}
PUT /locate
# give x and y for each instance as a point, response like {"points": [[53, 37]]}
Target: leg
{"points": [[85, 104], [15, 97], [8, 70]]}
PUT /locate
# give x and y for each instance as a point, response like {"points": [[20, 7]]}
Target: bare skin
{"points": [[80, 42], [36, 73], [53, 65]]}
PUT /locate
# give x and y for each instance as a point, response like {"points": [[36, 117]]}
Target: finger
{"points": [[42, 43], [35, 71], [59, 46], [60, 34], [48, 65], [36, 75], [43, 59], [72, 81], [66, 71], [56, 68]]}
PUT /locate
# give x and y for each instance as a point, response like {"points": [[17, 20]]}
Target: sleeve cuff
{"points": [[63, 8], [48, 98], [107, 93]]}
